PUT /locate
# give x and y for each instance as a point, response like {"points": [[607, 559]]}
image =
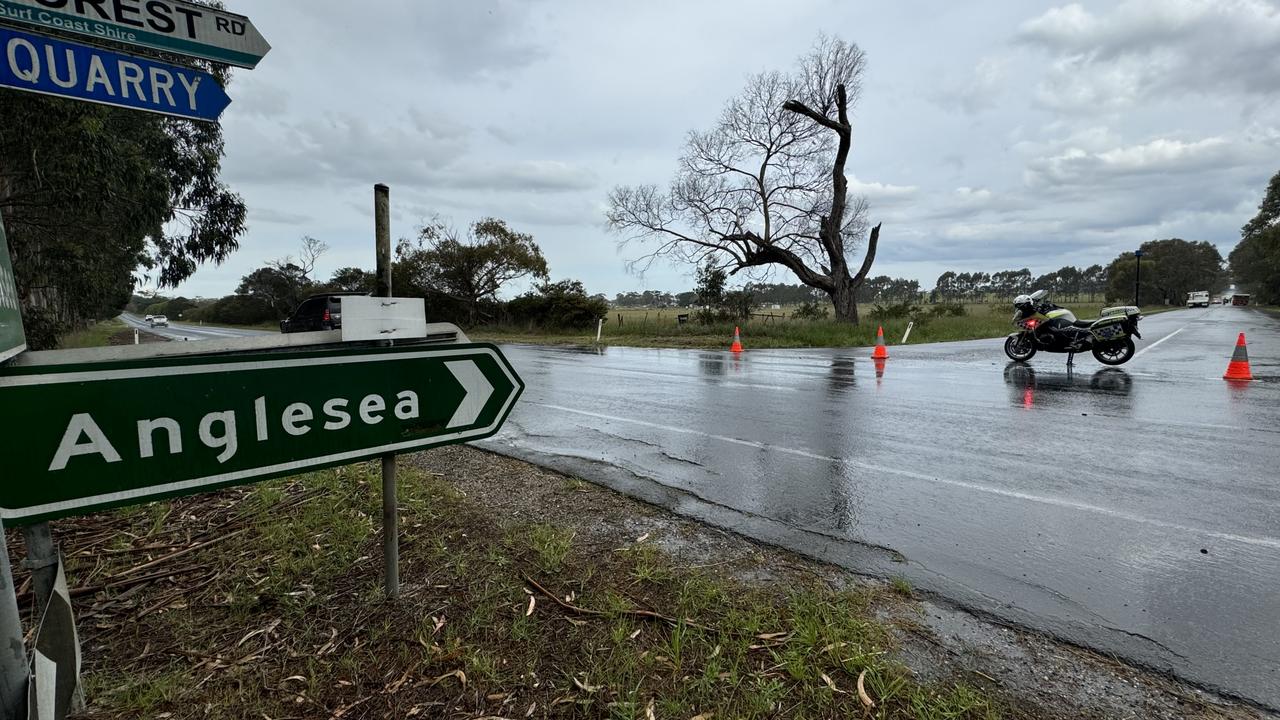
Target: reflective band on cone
{"points": [[881, 352], [1238, 368]]}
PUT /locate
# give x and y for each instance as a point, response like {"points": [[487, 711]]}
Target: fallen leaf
{"points": [[648, 711], [830, 683], [462, 677], [862, 691], [703, 716], [529, 610], [642, 538], [635, 634], [585, 687]]}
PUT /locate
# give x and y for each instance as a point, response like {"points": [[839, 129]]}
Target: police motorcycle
{"points": [[1043, 326]]}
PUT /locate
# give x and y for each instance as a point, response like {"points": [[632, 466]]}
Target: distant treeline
{"points": [[1170, 269]]}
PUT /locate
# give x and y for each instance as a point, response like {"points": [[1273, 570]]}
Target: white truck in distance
{"points": [[1198, 298]]}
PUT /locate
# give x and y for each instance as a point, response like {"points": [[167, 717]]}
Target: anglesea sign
{"points": [[78, 437], [178, 27], [54, 67], [12, 338]]}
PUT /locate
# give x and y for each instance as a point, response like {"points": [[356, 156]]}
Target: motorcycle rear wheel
{"points": [[1114, 353], [1019, 347]]}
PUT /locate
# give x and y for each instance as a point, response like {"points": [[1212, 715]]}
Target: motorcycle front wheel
{"points": [[1019, 347], [1115, 353]]}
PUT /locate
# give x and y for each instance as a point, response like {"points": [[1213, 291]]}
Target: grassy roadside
{"points": [[274, 609], [95, 335], [660, 329]]}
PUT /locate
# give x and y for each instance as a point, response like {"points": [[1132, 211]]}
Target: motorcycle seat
{"points": [[1083, 323]]}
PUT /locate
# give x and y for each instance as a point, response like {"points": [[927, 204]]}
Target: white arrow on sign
{"points": [[477, 387]]}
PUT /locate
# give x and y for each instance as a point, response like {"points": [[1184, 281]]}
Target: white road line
{"points": [[1153, 345], [1268, 542]]}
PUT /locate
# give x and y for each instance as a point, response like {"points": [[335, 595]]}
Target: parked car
{"points": [[158, 320], [318, 312]]}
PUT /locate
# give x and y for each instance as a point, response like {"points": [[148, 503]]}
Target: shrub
{"points": [[893, 311], [948, 310], [564, 304], [811, 310], [234, 310]]}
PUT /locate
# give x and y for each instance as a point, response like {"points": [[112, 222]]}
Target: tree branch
{"points": [[800, 108], [871, 255]]}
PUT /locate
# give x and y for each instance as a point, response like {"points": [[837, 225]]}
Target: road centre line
{"points": [[1267, 542], [1153, 345]]}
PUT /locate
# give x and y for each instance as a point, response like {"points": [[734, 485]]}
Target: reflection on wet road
{"points": [[1135, 510]]}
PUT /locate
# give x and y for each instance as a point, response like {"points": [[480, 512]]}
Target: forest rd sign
{"points": [[178, 27], [53, 67], [12, 338], [118, 433]]}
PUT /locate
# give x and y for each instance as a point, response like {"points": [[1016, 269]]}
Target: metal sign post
{"points": [[390, 504], [13, 653], [173, 26]]}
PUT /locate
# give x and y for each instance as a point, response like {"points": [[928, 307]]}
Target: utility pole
{"points": [[390, 506]]}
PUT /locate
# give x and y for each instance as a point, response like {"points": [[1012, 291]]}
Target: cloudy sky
{"points": [[989, 135]]}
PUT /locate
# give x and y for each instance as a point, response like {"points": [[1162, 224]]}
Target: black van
{"points": [[318, 312]]}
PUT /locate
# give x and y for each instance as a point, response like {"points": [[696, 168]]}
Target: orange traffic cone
{"points": [[737, 341], [881, 352], [1238, 368]]}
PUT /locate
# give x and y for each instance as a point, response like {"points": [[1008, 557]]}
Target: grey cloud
{"points": [[979, 92], [1156, 48], [527, 175], [1160, 156], [424, 150], [461, 41], [341, 147], [263, 214]]}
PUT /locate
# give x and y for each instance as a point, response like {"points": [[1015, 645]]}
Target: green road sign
{"points": [[88, 436], [12, 339], [174, 26]]}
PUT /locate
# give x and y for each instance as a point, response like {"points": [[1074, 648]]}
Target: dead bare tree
{"points": [[308, 255], [766, 186]]}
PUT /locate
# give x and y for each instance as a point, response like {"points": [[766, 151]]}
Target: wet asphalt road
{"points": [[1133, 510], [184, 331]]}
